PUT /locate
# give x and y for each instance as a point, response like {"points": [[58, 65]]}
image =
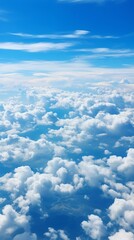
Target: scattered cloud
{"points": [[53, 234], [62, 146]]}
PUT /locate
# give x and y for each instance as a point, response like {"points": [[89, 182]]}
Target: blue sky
{"points": [[95, 37], [100, 32]]}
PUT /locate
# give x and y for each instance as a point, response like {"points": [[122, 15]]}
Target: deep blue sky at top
{"points": [[114, 18], [48, 16]]}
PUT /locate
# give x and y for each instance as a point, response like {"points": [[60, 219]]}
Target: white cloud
{"points": [[94, 173], [123, 165], [122, 211], [104, 37], [75, 34], [26, 236], [34, 47], [69, 134], [2, 200], [123, 235], [106, 52], [94, 227], [66, 72], [53, 234], [15, 183], [16, 148], [10, 221]]}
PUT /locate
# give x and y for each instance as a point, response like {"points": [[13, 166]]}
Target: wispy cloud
{"points": [[75, 34], [68, 72], [34, 47], [104, 37], [106, 52]]}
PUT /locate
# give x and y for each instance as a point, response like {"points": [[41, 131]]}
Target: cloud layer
{"points": [[59, 148]]}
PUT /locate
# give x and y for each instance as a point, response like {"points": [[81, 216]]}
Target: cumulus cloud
{"points": [[26, 236], [94, 173], [15, 183], [94, 227], [10, 221], [123, 165], [17, 148], [122, 211], [56, 234], [123, 235], [59, 148]]}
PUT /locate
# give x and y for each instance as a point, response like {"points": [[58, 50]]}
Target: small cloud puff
{"points": [[55, 234], [94, 227]]}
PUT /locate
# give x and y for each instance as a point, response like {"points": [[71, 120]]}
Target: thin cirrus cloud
{"points": [[75, 34], [107, 52], [104, 37], [34, 47]]}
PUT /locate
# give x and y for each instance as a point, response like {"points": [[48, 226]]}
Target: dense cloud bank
{"points": [[67, 164]]}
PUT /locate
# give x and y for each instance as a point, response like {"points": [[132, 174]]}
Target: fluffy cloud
{"points": [[26, 236], [15, 148], [10, 221], [59, 148], [93, 173], [122, 211], [123, 235], [15, 183], [94, 227], [123, 165], [53, 234]]}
